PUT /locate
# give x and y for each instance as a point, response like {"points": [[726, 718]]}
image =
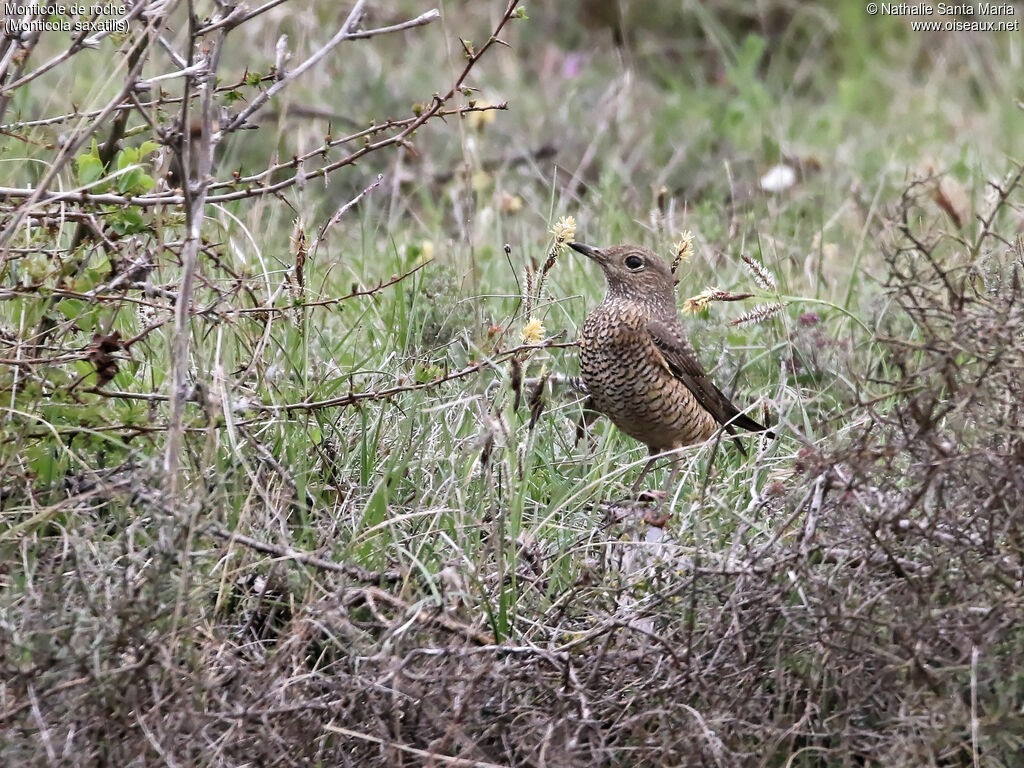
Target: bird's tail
{"points": [[745, 422]]}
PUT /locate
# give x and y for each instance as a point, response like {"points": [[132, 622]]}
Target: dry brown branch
{"points": [[238, 19], [383, 394], [78, 139], [163, 101], [264, 96], [171, 198], [214, 309], [431, 757], [195, 193], [287, 553]]}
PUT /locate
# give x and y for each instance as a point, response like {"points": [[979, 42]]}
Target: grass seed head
{"points": [[761, 274], [759, 314], [683, 250]]}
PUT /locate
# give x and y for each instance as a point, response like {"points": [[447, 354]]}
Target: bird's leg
{"points": [[673, 475], [644, 471], [589, 415], [658, 496], [657, 516], [646, 495]]}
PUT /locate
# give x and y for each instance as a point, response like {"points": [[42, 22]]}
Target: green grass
{"points": [[506, 529]]}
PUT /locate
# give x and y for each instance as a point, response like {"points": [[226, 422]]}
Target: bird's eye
{"points": [[634, 263]]}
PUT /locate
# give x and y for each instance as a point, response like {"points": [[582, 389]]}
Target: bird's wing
{"points": [[682, 362]]}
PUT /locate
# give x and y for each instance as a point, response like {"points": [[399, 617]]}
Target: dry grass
{"points": [[383, 543]]}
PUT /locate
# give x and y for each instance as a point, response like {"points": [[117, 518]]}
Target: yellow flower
{"points": [[426, 252], [533, 331], [684, 248], [700, 302], [480, 120], [480, 181], [511, 203], [564, 231]]}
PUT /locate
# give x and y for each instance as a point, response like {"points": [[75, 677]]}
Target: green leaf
{"points": [[750, 54], [135, 181], [47, 467], [423, 373], [374, 514], [90, 168], [148, 148], [126, 157], [126, 181], [99, 262], [71, 308], [85, 282], [80, 313], [128, 221], [84, 369]]}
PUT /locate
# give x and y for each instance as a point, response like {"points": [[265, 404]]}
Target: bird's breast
{"points": [[631, 383]]}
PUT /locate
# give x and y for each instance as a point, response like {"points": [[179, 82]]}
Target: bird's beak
{"points": [[589, 251]]}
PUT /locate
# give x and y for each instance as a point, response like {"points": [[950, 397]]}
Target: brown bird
{"points": [[638, 365]]}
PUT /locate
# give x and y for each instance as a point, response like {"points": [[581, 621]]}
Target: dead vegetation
{"points": [[278, 607], [880, 625]]}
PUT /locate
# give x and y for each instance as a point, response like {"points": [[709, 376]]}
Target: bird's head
{"points": [[634, 272]]}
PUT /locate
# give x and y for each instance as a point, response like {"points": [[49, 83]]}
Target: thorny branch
{"points": [[193, 78], [71, 146], [172, 198], [383, 394]]}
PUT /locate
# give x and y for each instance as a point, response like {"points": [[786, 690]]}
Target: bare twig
{"points": [[341, 211], [68, 150], [287, 553], [257, 103], [190, 254], [383, 394], [173, 199], [430, 757]]}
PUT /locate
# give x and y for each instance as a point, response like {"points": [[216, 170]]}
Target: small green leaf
{"points": [[127, 156], [79, 313], [148, 148], [85, 282], [99, 262], [46, 466], [126, 181], [427, 372], [89, 169], [127, 221], [71, 308]]}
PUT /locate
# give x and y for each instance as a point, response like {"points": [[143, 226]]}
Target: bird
{"points": [[638, 366]]}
